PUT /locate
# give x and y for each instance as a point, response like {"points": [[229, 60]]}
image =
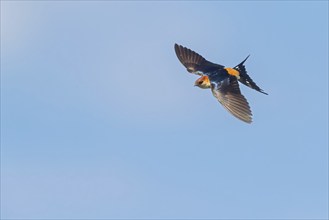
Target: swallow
{"points": [[223, 81]]}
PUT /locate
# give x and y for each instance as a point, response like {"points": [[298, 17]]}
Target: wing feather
{"points": [[194, 62], [229, 95]]}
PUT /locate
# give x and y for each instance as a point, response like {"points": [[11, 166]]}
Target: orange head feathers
{"points": [[203, 82]]}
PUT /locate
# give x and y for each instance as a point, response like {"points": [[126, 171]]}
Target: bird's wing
{"points": [[229, 95], [194, 62]]}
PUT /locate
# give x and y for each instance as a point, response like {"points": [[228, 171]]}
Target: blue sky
{"points": [[100, 120]]}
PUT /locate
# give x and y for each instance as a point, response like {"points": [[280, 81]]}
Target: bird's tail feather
{"points": [[245, 78]]}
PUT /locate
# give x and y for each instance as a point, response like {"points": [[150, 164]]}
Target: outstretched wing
{"points": [[245, 78], [194, 62], [229, 95]]}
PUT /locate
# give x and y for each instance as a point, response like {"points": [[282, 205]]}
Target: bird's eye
{"points": [[200, 82]]}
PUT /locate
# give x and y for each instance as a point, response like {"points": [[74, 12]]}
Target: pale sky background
{"points": [[100, 120]]}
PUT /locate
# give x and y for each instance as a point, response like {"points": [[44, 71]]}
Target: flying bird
{"points": [[223, 81]]}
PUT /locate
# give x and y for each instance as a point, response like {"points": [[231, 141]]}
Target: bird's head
{"points": [[203, 82]]}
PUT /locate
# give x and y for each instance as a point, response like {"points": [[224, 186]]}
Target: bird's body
{"points": [[223, 81]]}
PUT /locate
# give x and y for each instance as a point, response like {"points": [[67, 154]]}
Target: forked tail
{"points": [[245, 78]]}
